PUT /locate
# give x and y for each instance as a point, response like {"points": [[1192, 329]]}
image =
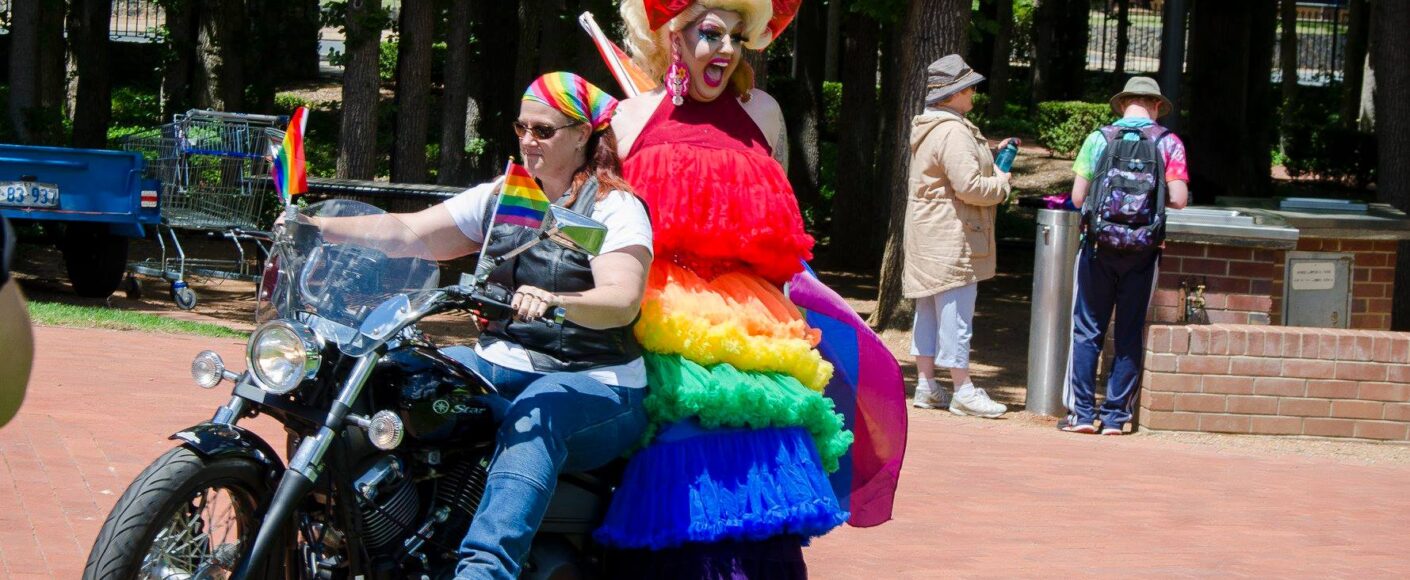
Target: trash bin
{"points": [[1050, 331]]}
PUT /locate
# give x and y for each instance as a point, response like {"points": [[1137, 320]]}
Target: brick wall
{"points": [[1238, 282], [1372, 279], [1245, 285], [1276, 380]]}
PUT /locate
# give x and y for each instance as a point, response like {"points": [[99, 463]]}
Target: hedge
{"points": [[1063, 125]]}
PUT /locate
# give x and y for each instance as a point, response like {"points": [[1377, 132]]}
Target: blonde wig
{"points": [[651, 49]]}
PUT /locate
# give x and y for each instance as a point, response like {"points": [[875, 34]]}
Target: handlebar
{"points": [[492, 302]]}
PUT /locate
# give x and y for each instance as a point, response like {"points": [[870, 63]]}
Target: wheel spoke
{"points": [[185, 545]]}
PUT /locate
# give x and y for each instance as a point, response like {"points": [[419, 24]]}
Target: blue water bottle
{"points": [[1004, 162]]}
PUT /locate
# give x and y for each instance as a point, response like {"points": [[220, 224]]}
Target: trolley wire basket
{"points": [[214, 170]]}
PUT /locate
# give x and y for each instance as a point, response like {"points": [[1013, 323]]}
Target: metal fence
{"points": [[132, 20], [1321, 39]]}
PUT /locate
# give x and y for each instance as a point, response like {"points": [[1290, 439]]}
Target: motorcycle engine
{"points": [[388, 501]]}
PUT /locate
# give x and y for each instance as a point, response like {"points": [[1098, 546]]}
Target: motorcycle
{"points": [[390, 439]]}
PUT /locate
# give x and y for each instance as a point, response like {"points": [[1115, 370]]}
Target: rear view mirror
{"points": [[574, 231]]}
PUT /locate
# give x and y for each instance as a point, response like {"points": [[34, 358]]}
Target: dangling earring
{"points": [[676, 77]]}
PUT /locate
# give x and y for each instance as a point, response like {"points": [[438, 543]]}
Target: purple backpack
{"points": [[1125, 206]]}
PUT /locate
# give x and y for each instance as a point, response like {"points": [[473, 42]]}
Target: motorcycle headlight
{"points": [[282, 355]]}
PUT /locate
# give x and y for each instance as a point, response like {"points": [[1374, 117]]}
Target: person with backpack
{"points": [[1127, 174], [953, 190]]}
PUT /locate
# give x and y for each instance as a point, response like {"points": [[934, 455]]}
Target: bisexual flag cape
{"points": [[869, 390]]}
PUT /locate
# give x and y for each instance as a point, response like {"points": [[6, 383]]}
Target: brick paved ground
{"points": [[978, 498]]}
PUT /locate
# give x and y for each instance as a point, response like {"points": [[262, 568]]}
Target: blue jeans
{"points": [[1107, 280], [560, 422]]}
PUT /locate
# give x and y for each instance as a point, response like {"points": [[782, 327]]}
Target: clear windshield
{"points": [[342, 274]]}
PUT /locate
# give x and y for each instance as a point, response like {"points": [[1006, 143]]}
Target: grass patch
{"points": [[55, 314]]}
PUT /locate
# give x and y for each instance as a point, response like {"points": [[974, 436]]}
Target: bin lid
{"points": [[1059, 217]]}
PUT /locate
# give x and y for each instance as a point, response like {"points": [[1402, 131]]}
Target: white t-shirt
{"points": [[627, 225]]}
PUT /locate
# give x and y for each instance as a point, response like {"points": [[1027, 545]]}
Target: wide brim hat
{"points": [[1142, 87], [764, 20], [948, 76]]}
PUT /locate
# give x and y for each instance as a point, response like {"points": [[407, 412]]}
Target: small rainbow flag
{"points": [[521, 201], [290, 170]]}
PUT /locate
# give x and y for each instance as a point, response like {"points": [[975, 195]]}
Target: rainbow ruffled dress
{"points": [[742, 437]]}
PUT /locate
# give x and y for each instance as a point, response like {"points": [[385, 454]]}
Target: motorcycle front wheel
{"points": [[185, 516]]}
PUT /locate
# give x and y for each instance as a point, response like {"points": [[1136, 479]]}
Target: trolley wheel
{"points": [[132, 287], [95, 259], [183, 295]]}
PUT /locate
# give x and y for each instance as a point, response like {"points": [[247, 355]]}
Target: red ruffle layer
{"points": [[715, 211]]}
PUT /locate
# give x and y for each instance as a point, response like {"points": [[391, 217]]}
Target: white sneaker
{"points": [[933, 398], [977, 404]]}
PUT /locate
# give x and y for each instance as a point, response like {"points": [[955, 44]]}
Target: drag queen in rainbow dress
{"points": [[733, 479]]}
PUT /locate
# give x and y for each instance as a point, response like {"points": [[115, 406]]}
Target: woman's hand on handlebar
{"points": [[531, 303]]}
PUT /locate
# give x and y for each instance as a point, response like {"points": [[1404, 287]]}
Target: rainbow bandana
{"points": [[573, 96]]}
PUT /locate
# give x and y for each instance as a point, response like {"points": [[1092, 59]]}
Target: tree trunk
{"points": [[1353, 65], [1230, 63], [53, 67], [856, 208], [1123, 38], [1366, 117], [270, 29], [496, 101], [803, 116], [834, 41], [357, 147], [931, 29], [456, 98], [999, 70], [205, 93], [93, 107], [231, 37], [1391, 55], [1287, 54], [24, 67], [984, 22], [1060, 47], [530, 40], [413, 91], [302, 28], [178, 72]]}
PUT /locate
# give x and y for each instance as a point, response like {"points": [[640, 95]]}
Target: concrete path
{"points": [[977, 499]]}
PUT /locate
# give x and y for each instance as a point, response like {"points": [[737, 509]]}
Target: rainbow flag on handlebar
{"points": [[290, 170], [521, 201]]}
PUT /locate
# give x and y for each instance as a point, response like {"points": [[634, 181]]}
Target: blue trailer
{"points": [[101, 197]]}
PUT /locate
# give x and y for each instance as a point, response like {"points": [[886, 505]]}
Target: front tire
{"points": [[184, 514]]}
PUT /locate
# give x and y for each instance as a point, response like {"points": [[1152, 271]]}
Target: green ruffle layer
{"points": [[723, 396]]}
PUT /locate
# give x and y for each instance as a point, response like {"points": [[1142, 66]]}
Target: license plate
{"points": [[28, 194]]}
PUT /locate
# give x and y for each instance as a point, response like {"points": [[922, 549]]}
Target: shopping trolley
{"points": [[214, 171]]}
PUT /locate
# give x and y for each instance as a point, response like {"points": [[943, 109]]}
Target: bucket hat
{"points": [[948, 76], [1142, 87]]}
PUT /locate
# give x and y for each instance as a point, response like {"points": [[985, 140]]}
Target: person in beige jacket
{"points": [[949, 236]]}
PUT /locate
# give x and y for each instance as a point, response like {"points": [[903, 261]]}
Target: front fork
{"points": [[304, 467]]}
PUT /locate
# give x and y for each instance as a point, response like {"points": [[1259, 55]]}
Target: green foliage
{"points": [[883, 11], [1063, 125], [1316, 145], [1015, 120], [136, 107], [1022, 41], [832, 107]]}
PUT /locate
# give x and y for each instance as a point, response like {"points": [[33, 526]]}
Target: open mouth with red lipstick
{"points": [[714, 73]]}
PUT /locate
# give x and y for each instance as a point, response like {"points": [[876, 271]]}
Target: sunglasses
{"points": [[541, 132]]}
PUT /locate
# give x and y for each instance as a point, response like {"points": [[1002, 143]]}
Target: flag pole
{"points": [[484, 266]]}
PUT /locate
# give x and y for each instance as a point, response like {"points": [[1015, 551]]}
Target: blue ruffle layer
{"points": [[697, 485]]}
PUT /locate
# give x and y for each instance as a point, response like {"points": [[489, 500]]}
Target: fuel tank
{"points": [[438, 399]]}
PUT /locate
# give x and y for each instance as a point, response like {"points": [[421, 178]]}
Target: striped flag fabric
{"points": [[290, 169], [632, 79], [869, 391], [521, 201]]}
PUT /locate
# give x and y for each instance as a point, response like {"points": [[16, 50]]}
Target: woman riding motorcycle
{"points": [[573, 392]]}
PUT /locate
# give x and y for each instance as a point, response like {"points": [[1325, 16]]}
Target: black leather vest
{"points": [[554, 348]]}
